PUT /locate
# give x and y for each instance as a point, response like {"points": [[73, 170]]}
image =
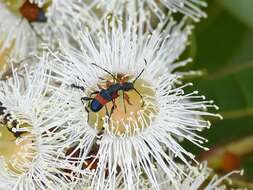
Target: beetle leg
{"points": [[106, 110], [124, 101], [126, 97], [140, 96], [86, 108], [85, 99], [96, 92], [113, 107]]}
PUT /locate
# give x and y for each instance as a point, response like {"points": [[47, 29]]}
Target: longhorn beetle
{"points": [[6, 118], [109, 94], [33, 13]]}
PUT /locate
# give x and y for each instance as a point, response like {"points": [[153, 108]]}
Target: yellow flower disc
{"points": [[16, 151], [131, 113], [14, 5]]}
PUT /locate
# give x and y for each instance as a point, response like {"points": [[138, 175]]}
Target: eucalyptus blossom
{"points": [[145, 9], [130, 112], [32, 143], [25, 26]]}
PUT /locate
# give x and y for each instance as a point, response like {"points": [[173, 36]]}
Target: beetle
{"points": [[32, 12], [109, 94], [6, 120]]}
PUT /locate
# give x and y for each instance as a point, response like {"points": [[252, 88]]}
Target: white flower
{"points": [[24, 26], [197, 178], [32, 143], [201, 178], [131, 134], [14, 28], [189, 8]]}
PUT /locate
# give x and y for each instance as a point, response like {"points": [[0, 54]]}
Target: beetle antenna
{"points": [[106, 71], [140, 72], [140, 96], [138, 76]]}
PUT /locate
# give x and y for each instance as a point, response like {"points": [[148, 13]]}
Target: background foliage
{"points": [[222, 47]]}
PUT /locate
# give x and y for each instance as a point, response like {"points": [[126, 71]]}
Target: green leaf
{"points": [[218, 41], [231, 88], [247, 163], [224, 50], [242, 9]]}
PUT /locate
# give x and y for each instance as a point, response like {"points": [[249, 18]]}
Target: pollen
{"points": [[129, 112], [14, 5], [17, 152]]}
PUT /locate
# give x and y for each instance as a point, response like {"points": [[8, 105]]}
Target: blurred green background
{"points": [[222, 47]]}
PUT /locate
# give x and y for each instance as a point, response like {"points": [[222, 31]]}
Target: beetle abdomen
{"points": [[95, 105]]}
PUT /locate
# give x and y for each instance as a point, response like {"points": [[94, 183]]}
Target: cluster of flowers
{"points": [[91, 97]]}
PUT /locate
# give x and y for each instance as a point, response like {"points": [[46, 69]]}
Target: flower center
{"points": [[16, 146], [14, 5], [127, 106], [30, 11]]}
